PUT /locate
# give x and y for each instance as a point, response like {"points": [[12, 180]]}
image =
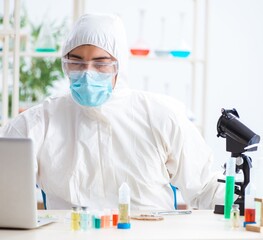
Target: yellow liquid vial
{"points": [[75, 220]]}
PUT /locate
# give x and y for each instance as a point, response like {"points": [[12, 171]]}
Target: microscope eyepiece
{"points": [[238, 135]]}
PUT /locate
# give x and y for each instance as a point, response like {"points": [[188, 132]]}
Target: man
{"points": [[101, 134]]}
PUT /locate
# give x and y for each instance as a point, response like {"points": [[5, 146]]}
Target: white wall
{"points": [[236, 72]]}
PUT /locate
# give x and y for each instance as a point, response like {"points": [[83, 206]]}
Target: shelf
{"points": [[131, 57], [8, 32], [167, 58], [40, 54], [36, 54]]}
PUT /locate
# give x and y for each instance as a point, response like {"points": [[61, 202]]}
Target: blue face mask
{"points": [[90, 88]]}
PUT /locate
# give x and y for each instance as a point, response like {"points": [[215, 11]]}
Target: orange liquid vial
{"points": [[114, 219], [250, 215]]}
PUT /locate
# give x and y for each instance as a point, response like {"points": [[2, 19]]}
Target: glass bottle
{"points": [[235, 216], [124, 207], [75, 219], [98, 216], [115, 216], [105, 219], [84, 218]]}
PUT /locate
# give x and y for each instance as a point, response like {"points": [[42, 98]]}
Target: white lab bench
{"points": [[201, 224]]}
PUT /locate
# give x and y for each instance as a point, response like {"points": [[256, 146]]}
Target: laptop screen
{"points": [[18, 203]]}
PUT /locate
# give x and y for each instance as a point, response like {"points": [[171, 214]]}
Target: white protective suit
{"points": [[84, 154]]}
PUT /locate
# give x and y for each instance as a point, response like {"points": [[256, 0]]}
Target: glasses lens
{"points": [[102, 67]]}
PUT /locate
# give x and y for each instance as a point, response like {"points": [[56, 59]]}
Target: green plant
{"points": [[37, 76]]}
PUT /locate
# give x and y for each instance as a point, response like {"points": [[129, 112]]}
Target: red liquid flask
{"points": [[139, 52], [140, 47]]}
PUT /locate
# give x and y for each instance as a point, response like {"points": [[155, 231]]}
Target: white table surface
{"points": [[201, 224]]}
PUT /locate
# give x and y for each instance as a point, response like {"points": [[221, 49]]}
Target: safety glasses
{"points": [[97, 66]]}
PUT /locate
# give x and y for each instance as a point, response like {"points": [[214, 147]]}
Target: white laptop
{"points": [[18, 200]]}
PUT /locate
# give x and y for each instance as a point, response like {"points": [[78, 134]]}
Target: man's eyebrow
{"points": [[94, 59], [101, 58], [74, 56]]}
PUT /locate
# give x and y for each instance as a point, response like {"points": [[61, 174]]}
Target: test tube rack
{"points": [[258, 227]]}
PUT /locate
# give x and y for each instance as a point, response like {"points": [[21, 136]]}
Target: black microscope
{"points": [[239, 139]]}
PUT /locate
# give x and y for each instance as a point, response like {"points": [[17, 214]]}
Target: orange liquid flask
{"points": [[140, 48]]}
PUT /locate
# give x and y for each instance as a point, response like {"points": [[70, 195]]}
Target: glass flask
{"points": [[161, 51], [183, 50], [140, 47], [45, 41]]}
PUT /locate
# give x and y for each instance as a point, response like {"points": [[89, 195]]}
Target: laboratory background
{"points": [[206, 53]]}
